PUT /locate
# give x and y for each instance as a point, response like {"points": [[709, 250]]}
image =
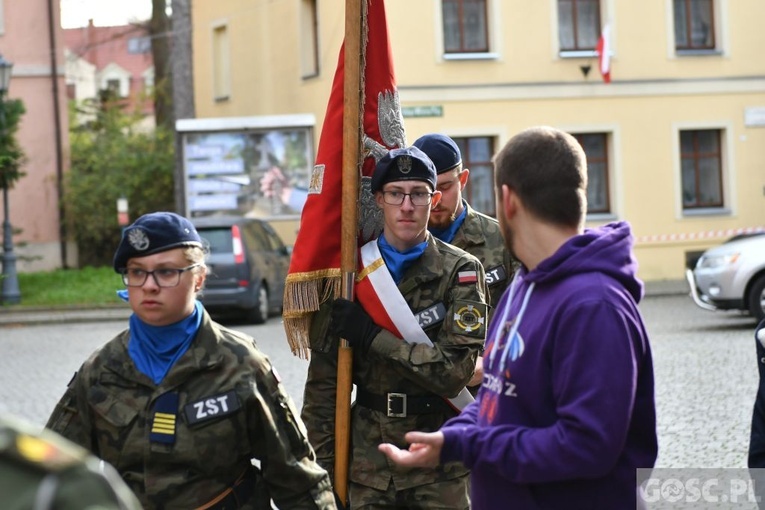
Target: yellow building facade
{"points": [[675, 141]]}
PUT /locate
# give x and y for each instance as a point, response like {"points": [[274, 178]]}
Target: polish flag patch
{"points": [[467, 276]]}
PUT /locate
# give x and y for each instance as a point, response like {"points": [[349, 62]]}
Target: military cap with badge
{"points": [[154, 233], [407, 164]]}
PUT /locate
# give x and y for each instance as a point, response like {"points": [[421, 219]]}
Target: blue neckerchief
{"points": [[154, 349], [396, 261], [447, 234]]}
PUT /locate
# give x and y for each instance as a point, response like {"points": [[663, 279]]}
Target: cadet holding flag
{"points": [[415, 342], [181, 405]]}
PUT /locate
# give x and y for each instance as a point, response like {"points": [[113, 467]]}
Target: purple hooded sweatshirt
{"points": [[566, 411]]}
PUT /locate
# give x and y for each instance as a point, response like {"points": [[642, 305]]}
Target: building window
{"points": [[476, 156], [465, 26], [139, 45], [578, 24], [309, 39], [113, 86], [694, 24], [595, 147], [701, 168], [2, 17], [221, 64]]}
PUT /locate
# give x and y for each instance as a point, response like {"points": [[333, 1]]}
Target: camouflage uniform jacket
{"points": [[231, 408], [480, 236], [393, 365], [44, 471]]}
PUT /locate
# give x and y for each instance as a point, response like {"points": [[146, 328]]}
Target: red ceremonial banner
{"points": [[315, 274]]}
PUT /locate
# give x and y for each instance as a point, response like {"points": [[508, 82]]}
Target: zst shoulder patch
{"points": [[431, 316], [469, 318], [211, 407], [495, 275]]}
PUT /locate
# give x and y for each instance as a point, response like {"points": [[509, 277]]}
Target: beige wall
{"points": [[654, 94]]}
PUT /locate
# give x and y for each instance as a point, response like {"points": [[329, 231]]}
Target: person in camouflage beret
{"points": [[181, 405], [44, 471], [455, 222], [409, 377]]}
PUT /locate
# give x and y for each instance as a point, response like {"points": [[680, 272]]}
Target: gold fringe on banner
{"points": [[303, 293]]}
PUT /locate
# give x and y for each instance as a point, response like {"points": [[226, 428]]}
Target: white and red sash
{"points": [[380, 297]]}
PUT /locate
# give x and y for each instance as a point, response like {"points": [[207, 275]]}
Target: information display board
{"points": [[253, 166]]}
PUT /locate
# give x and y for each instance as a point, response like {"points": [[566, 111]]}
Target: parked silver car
{"points": [[731, 276]]}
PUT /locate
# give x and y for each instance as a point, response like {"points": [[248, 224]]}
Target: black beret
{"points": [[441, 149], [409, 164], [154, 233]]}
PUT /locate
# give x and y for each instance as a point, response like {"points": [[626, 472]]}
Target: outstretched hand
{"points": [[424, 450]]}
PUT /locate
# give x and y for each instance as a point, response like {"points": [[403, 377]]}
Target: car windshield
{"points": [[220, 239]]}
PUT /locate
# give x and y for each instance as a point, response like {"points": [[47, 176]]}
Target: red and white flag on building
{"points": [[603, 49], [315, 269]]}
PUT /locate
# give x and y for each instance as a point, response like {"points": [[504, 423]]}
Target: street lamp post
{"points": [[11, 293]]}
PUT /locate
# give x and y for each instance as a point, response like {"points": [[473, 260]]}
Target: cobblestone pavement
{"points": [[705, 368]]}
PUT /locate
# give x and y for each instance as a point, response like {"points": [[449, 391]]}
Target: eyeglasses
{"points": [[417, 197], [164, 277]]}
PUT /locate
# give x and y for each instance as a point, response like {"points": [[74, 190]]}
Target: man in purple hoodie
{"points": [[566, 413]]}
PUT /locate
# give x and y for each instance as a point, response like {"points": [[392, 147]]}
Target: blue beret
{"points": [[441, 149], [409, 164], [154, 233]]}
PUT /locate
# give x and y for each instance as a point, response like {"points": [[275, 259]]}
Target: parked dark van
{"points": [[248, 264]]}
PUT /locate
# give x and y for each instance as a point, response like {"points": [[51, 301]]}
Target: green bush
{"points": [[110, 159]]}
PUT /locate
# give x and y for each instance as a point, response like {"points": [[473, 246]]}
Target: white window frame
{"points": [[493, 25], [607, 14], [115, 72], [615, 170], [728, 171], [2, 17], [720, 9], [309, 41], [225, 73]]}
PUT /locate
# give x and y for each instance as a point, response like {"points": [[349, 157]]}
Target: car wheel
{"points": [[259, 313], [757, 298]]}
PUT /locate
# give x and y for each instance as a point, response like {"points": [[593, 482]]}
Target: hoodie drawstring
{"points": [[511, 347]]}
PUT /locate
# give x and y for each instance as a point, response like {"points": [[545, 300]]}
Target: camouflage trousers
{"points": [[450, 494]]}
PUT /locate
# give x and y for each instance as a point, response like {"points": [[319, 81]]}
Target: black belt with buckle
{"points": [[401, 405]]}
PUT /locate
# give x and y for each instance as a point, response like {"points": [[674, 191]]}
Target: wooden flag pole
{"points": [[352, 123]]}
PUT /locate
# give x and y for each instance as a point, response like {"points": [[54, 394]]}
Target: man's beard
{"points": [[507, 235], [438, 223]]}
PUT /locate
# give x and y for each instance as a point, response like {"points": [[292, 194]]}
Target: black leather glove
{"points": [[351, 322]]}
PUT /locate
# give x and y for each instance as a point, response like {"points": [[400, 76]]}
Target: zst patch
{"points": [[431, 316], [495, 275], [469, 318], [211, 407]]}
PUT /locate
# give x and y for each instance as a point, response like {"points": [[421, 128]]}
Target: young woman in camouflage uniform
{"points": [[181, 405]]}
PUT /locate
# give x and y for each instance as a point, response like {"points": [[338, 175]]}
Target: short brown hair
{"points": [[547, 168]]}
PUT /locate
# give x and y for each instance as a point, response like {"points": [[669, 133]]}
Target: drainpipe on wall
{"points": [[57, 123]]}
